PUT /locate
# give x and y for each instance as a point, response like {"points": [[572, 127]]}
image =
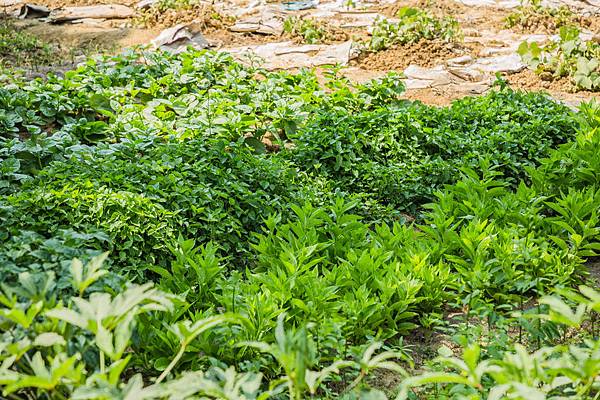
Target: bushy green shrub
{"points": [[141, 196], [405, 153]]}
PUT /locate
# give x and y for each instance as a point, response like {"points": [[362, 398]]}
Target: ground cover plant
{"points": [[413, 25], [269, 236], [569, 57]]}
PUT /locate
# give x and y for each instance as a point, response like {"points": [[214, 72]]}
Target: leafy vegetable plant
{"points": [[311, 31], [568, 57], [413, 25]]}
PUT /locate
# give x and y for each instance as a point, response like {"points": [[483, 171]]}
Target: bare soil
{"points": [[72, 3], [468, 17], [594, 270], [424, 54], [439, 7], [529, 80], [77, 40], [85, 38], [561, 89]]}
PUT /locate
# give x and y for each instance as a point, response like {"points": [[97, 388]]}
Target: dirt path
{"points": [[89, 37], [432, 75]]}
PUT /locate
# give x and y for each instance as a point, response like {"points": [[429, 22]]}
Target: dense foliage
{"points": [[257, 241], [404, 152]]}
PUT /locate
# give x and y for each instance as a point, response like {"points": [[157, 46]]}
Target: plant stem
{"points": [[173, 362], [585, 390], [102, 366], [356, 381], [291, 389], [521, 325]]}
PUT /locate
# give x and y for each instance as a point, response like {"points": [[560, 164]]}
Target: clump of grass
{"points": [[164, 5]]}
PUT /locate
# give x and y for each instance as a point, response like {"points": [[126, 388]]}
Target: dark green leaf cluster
{"points": [[404, 153]]}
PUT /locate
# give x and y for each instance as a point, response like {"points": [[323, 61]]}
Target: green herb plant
{"points": [[22, 49]]}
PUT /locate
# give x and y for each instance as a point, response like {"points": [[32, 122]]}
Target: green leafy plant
{"points": [[533, 16], [568, 57], [258, 242], [311, 31], [162, 12], [402, 153], [47, 349], [294, 350], [567, 371], [414, 25], [164, 5]]}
